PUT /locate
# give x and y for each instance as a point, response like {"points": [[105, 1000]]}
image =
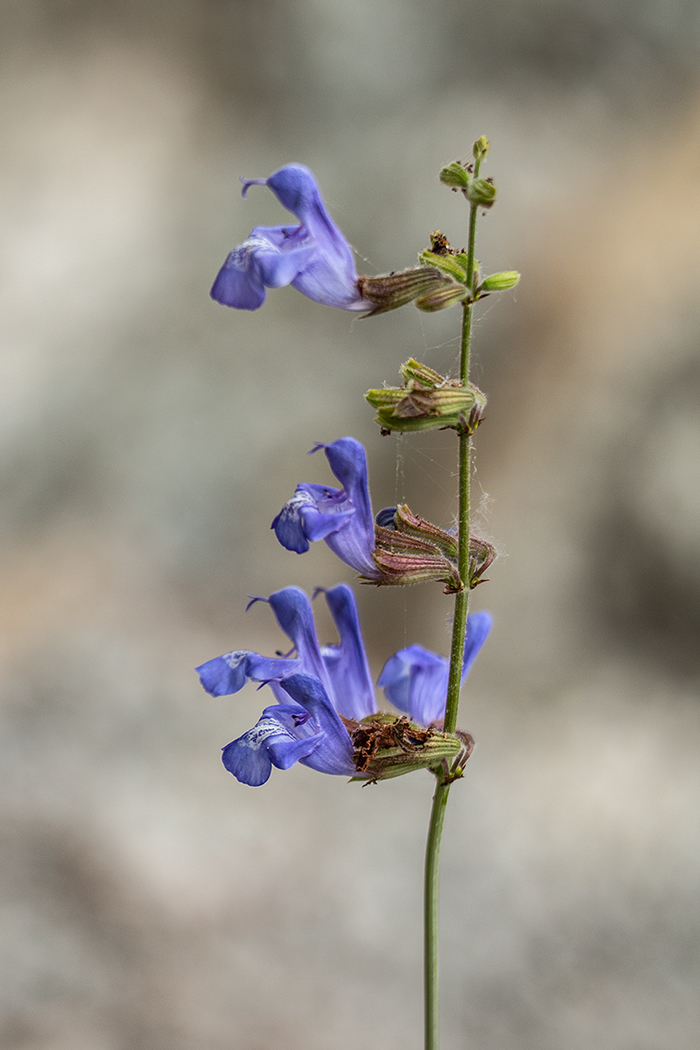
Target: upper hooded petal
{"points": [[295, 188], [353, 692], [293, 613]]}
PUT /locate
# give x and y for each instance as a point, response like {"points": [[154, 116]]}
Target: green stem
{"points": [[430, 942], [442, 788]]}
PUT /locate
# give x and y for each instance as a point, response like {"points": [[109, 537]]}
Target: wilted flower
{"points": [[325, 716]]}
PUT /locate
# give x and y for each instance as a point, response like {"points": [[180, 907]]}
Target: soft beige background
{"points": [[148, 437]]}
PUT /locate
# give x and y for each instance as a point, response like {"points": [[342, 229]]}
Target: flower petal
{"points": [[293, 613], [353, 544], [353, 693], [226, 674], [250, 758], [415, 681], [311, 514], [334, 752], [237, 283], [478, 626], [270, 257]]}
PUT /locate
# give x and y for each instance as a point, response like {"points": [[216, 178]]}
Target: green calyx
{"points": [[426, 401], [455, 176], [447, 263], [481, 192]]}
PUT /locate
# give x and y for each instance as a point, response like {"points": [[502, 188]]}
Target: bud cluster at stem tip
{"points": [[464, 177]]}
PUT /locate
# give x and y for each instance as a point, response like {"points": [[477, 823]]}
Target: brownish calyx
{"points": [[386, 746], [398, 735], [392, 290]]}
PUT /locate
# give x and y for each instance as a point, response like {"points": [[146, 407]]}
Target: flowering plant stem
{"points": [[443, 784]]}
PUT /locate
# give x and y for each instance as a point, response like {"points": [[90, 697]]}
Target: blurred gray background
{"points": [[149, 436]]}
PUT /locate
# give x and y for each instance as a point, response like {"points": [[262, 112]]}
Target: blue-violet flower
{"points": [[393, 549], [313, 257], [342, 517], [323, 692]]}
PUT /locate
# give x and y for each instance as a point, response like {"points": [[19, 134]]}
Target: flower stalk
{"points": [[442, 787]]}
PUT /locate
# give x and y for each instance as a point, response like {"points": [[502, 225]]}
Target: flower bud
{"points": [[386, 746], [385, 518], [389, 291], [481, 192], [499, 282], [424, 374], [455, 175], [480, 148], [443, 296]]}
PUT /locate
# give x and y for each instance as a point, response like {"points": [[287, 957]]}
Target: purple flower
{"points": [[415, 680], [321, 690], [313, 257], [322, 683], [342, 517]]}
